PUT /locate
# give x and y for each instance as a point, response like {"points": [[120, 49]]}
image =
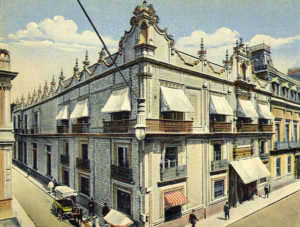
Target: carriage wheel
{"points": [[60, 214]]}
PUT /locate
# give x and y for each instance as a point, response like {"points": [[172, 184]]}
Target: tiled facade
{"points": [[202, 120]]}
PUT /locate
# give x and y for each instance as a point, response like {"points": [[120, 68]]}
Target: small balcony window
{"points": [[171, 157], [217, 152], [173, 116]]}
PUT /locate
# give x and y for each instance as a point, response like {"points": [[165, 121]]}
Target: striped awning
{"points": [[175, 198]]}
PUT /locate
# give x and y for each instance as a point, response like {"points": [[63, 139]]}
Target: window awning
{"points": [[219, 105], [118, 101], [63, 113], [293, 88], [264, 112], [275, 80], [173, 99], [81, 109], [246, 109], [175, 198], [250, 170], [117, 219], [285, 84]]}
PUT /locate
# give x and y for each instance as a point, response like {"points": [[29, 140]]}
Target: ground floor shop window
{"points": [[34, 155], [289, 164], [84, 185], [218, 189], [278, 172], [172, 213], [65, 177], [124, 202]]}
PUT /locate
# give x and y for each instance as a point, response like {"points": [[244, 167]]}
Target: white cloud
{"points": [[59, 33], [273, 42]]}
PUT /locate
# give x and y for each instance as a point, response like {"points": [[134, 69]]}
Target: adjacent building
{"points": [[6, 140], [174, 133]]}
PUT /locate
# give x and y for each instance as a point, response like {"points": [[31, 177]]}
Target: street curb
{"points": [[33, 181], [264, 207]]}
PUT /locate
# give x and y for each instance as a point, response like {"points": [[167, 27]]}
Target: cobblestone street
{"points": [[283, 213], [36, 202]]}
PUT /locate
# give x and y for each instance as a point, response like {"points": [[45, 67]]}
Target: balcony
{"points": [[119, 126], [64, 159], [172, 173], [264, 156], [62, 128], [220, 126], [265, 128], [246, 127], [82, 163], [294, 144], [219, 165], [166, 125], [80, 128], [280, 145], [121, 173]]}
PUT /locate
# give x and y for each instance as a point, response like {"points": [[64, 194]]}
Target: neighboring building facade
{"points": [[206, 126], [294, 73], [6, 137]]}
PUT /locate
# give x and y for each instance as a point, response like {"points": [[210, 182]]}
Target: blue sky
{"points": [[45, 36]]}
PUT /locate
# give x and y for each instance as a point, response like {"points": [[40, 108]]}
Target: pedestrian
{"points": [[226, 210], [55, 184], [50, 186], [266, 191], [105, 210], [193, 219], [91, 205]]}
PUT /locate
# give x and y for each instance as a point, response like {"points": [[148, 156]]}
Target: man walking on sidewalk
{"points": [[91, 205], [226, 210], [266, 192]]}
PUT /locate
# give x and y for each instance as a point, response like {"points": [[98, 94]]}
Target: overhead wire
{"points": [[106, 49]]}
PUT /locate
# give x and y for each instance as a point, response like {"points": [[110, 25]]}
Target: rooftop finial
{"points": [[145, 2], [86, 62], [226, 61], [202, 51], [61, 77], [76, 68]]}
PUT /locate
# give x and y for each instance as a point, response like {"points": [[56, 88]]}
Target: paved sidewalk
{"points": [[249, 207], [43, 187]]}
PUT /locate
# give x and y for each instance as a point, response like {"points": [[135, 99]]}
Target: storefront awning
{"points": [[63, 113], [118, 101], [80, 110], [173, 99], [264, 112], [250, 170], [219, 105], [246, 109], [175, 198], [117, 219]]}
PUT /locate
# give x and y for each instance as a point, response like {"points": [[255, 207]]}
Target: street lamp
{"points": [[140, 127]]}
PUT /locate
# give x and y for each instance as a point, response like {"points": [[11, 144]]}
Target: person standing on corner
{"points": [[193, 219], [105, 210], [266, 191], [91, 205], [226, 210]]}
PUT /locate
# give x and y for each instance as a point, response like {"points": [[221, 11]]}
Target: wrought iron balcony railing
{"points": [[80, 128], [64, 159], [62, 128], [246, 127], [121, 173], [219, 165], [172, 173], [83, 163], [220, 126]]}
